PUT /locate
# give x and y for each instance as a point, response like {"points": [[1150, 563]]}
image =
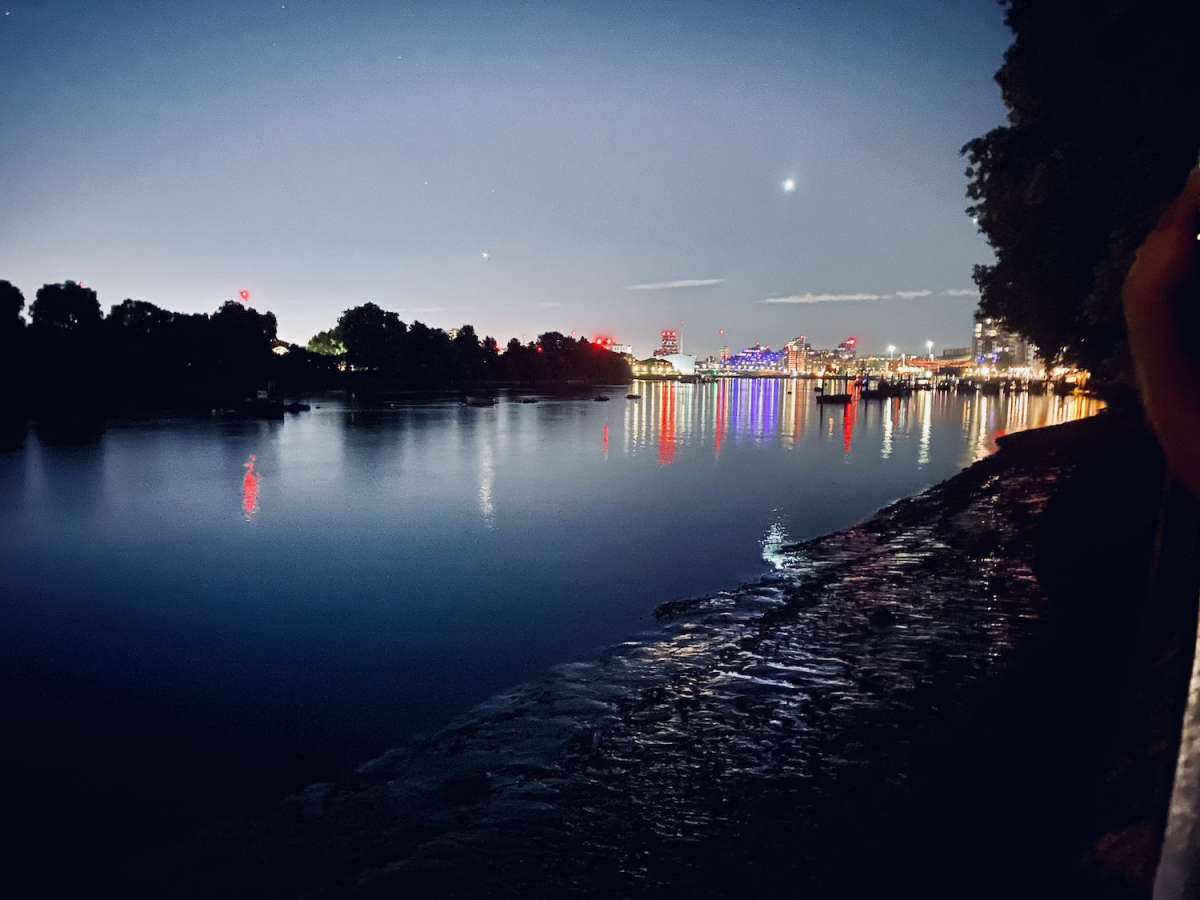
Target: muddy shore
{"points": [[957, 696]]}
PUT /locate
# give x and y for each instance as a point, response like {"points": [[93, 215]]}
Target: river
{"points": [[202, 614]]}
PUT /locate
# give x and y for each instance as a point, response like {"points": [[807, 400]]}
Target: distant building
{"points": [[757, 359], [609, 343], [957, 353], [725, 354], [795, 359], [996, 345], [681, 362], [669, 345], [655, 366], [847, 349]]}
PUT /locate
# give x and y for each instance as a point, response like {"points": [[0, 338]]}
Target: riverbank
{"points": [[928, 700]]}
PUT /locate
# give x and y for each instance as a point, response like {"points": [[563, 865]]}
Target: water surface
{"points": [[202, 614]]}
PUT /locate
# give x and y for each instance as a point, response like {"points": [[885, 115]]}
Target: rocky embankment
{"points": [[941, 700]]}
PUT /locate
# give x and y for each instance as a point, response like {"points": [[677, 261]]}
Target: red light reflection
{"points": [[848, 426], [666, 426], [250, 489]]}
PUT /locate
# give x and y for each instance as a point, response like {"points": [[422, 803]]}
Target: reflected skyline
{"points": [[674, 418]]}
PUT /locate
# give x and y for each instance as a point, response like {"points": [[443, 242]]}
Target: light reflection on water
{"points": [[672, 416], [250, 489]]}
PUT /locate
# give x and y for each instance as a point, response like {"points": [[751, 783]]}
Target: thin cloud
{"points": [[823, 298], [672, 285], [550, 304], [420, 309], [847, 298], [961, 292]]}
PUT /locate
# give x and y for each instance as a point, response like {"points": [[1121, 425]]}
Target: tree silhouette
{"points": [[67, 307], [12, 301], [1101, 132], [372, 337], [141, 318], [143, 356]]}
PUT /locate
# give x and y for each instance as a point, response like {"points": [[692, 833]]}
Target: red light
{"points": [[244, 295], [250, 489], [539, 349]]}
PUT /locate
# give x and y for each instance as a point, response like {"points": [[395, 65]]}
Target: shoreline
{"points": [[801, 719]]}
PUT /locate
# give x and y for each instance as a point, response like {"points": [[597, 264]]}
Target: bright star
{"points": [[485, 256], [789, 185]]}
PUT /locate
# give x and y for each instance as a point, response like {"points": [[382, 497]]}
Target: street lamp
{"points": [[929, 348], [891, 354]]}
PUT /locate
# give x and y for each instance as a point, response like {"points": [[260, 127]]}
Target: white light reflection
{"points": [[487, 477], [773, 543], [886, 453], [926, 413]]}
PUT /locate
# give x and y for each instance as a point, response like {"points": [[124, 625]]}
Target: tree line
{"points": [[70, 355], [1101, 133]]}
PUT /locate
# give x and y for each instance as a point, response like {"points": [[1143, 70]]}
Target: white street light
{"points": [[929, 348]]}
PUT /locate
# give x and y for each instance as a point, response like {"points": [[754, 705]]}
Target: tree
{"points": [[1101, 132], [66, 307], [327, 342], [373, 337], [12, 301], [141, 318], [468, 355], [239, 348]]}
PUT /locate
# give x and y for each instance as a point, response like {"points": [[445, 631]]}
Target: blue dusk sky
{"points": [[769, 169]]}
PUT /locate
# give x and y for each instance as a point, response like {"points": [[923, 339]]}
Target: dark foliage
{"points": [[66, 307], [1102, 128], [380, 346], [72, 360], [12, 301]]}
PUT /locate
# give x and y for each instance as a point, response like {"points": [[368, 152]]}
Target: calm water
{"points": [[200, 615]]}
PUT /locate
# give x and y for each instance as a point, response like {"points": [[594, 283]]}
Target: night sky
{"points": [[602, 167]]}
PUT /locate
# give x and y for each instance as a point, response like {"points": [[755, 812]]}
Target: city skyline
{"points": [[764, 170]]}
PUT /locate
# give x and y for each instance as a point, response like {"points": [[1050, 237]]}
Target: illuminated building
{"points": [[757, 359], [796, 355], [681, 362], [611, 345], [996, 345], [655, 367], [669, 345], [847, 349], [725, 354]]}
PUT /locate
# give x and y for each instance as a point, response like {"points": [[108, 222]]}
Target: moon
{"points": [[788, 185]]}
